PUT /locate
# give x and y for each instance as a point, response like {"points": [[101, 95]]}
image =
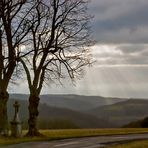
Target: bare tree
{"points": [[13, 34], [60, 41]]}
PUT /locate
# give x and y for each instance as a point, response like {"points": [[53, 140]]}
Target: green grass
{"points": [[63, 134], [135, 144]]}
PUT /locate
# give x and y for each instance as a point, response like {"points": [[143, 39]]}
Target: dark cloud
{"points": [[118, 21]]}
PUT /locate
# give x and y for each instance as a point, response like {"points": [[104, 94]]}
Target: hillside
{"points": [[73, 102], [123, 112], [142, 123], [48, 113]]}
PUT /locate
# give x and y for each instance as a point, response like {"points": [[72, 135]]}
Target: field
{"points": [[63, 134]]}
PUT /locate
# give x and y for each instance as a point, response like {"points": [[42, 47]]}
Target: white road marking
{"points": [[65, 144]]}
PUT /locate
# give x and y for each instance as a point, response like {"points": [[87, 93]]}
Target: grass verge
{"points": [[73, 133], [134, 144]]}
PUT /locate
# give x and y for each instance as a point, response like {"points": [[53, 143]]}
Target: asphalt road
{"points": [[89, 142]]}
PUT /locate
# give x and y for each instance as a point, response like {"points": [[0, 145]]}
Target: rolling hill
{"points": [[48, 113], [83, 109], [73, 102], [123, 112]]}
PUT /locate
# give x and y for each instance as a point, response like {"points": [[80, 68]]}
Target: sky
{"points": [[120, 28]]}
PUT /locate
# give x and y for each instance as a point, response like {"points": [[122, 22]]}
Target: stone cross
{"points": [[16, 124]]}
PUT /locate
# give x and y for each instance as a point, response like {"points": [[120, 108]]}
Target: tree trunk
{"points": [[33, 115], [4, 96]]}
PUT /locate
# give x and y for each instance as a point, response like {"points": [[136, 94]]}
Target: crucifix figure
{"points": [[16, 107]]}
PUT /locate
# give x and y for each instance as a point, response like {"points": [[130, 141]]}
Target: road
{"points": [[88, 142]]}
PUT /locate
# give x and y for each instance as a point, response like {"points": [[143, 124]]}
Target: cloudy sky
{"points": [[120, 28]]}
